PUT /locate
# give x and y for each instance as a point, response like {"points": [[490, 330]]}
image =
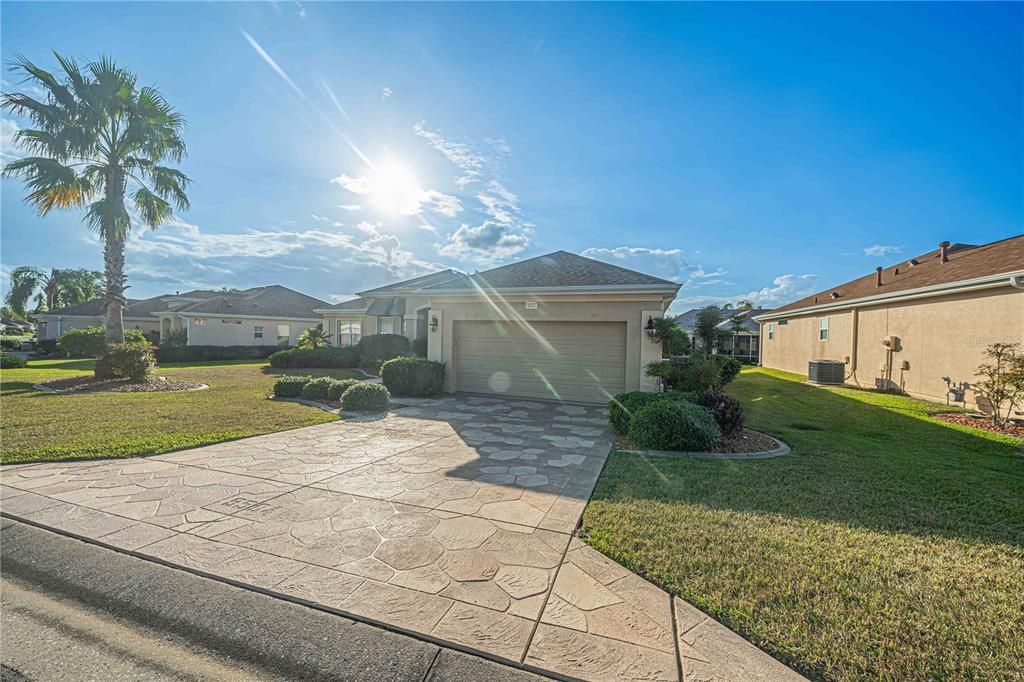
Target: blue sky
{"points": [[747, 151]]}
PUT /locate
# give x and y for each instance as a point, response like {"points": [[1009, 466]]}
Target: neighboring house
{"points": [[393, 309], [16, 326], [907, 326], [558, 326], [744, 344], [271, 315]]}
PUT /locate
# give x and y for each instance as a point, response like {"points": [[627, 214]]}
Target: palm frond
{"points": [[152, 208], [170, 183], [51, 184], [47, 80], [109, 218]]}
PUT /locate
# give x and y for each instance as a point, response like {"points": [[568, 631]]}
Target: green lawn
{"points": [[887, 546], [42, 426]]}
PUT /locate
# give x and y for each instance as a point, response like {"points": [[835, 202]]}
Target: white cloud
{"points": [[9, 148], [666, 263], [880, 250], [398, 193], [445, 204], [784, 288], [350, 207], [385, 92], [319, 218], [359, 184], [470, 162], [486, 243]]}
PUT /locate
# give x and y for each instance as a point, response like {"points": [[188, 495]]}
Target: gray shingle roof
{"points": [[553, 270], [270, 301], [414, 284], [355, 305], [688, 320]]}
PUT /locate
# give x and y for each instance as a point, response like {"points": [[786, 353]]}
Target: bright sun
{"points": [[394, 189]]}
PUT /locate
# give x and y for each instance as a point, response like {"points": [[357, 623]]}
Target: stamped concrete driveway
{"points": [[450, 519]]}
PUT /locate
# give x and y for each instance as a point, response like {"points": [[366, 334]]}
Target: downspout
{"points": [[853, 345]]}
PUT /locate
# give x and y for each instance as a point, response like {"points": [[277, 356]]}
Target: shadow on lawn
{"points": [[853, 462]]}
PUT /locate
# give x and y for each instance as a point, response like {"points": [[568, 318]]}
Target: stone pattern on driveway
{"points": [[451, 519]]}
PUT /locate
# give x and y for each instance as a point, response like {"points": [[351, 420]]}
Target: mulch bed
{"points": [[1014, 429], [93, 385], [741, 442]]}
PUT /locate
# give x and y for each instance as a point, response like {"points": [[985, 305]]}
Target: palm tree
{"points": [[97, 137], [24, 280], [62, 287], [314, 337]]}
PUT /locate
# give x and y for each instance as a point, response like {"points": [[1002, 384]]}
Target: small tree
{"points": [[706, 327], [1003, 382], [314, 337], [674, 340]]}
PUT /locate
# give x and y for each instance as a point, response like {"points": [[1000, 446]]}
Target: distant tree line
{"points": [[58, 288]]}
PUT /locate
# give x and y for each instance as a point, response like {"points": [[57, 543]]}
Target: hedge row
{"points": [[355, 396], [200, 353], [308, 358]]}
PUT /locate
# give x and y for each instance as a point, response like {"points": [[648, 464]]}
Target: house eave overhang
{"points": [[668, 290], [242, 317], [976, 284], [336, 311], [89, 317]]}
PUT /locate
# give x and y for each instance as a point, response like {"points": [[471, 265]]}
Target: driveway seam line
{"points": [[544, 606], [430, 668]]}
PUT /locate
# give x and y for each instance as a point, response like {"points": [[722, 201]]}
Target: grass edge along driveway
{"points": [[38, 426], [887, 546]]}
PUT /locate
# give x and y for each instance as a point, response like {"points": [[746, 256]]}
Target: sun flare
{"points": [[394, 189]]}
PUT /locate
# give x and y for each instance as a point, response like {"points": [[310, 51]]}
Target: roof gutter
{"points": [[1013, 279]]}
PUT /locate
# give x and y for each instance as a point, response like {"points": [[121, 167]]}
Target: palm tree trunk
{"points": [[113, 268]]}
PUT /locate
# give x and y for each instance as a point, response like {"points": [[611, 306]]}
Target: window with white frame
{"points": [[771, 331], [348, 333], [257, 331], [386, 325], [823, 329], [284, 334]]}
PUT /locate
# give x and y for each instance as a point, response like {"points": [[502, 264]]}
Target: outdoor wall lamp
{"points": [[650, 328], [433, 323]]}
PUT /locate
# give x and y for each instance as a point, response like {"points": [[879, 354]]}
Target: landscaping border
{"points": [[779, 451], [67, 391]]}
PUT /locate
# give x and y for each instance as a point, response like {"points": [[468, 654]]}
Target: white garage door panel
{"points": [[575, 361]]}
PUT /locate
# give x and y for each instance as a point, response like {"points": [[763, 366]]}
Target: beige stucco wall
{"points": [[940, 336], [633, 310], [369, 323], [47, 328], [217, 333]]}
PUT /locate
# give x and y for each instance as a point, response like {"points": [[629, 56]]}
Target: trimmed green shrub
{"points": [[674, 425], [11, 361], [316, 389], [46, 347], [209, 353], [381, 347], [728, 368], [726, 410], [338, 388], [307, 358], [622, 407], [290, 386], [10, 344], [410, 376], [419, 347], [364, 397], [88, 342], [133, 360], [696, 374]]}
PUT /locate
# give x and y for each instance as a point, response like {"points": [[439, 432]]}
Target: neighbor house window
{"points": [[386, 325], [284, 334], [199, 321], [257, 332], [348, 333], [771, 331], [823, 329]]}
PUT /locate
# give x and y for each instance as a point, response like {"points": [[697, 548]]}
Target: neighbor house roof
{"points": [[270, 301], [688, 320], [354, 305], [410, 286], [94, 308], [964, 262], [560, 269]]}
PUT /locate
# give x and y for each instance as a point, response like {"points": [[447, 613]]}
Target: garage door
{"points": [[570, 361]]}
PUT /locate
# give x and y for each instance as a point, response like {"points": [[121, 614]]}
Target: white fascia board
{"points": [[976, 284]]}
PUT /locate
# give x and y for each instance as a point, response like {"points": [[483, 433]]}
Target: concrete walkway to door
{"points": [[451, 519]]}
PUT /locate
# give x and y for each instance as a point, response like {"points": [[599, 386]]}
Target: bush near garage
{"points": [[381, 347], [726, 410], [411, 376], [290, 386], [697, 374], [11, 361], [90, 342], [321, 358], [338, 388], [364, 397], [674, 425], [623, 406], [167, 353]]}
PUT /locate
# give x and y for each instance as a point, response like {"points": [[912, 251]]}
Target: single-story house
{"points": [[16, 326], [558, 326], [270, 315], [908, 326], [743, 343]]}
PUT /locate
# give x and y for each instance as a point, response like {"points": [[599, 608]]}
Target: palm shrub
{"points": [[89, 342], [338, 387], [318, 388], [290, 386], [726, 410], [622, 407], [674, 425], [411, 376], [364, 397], [98, 141], [314, 337]]}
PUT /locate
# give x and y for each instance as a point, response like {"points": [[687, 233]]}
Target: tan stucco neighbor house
{"points": [[558, 326], [907, 326], [261, 316]]}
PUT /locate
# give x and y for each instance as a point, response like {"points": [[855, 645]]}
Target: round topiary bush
{"points": [[726, 410], [290, 386], [623, 406], [674, 425], [317, 389], [338, 388], [411, 376], [364, 397]]}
